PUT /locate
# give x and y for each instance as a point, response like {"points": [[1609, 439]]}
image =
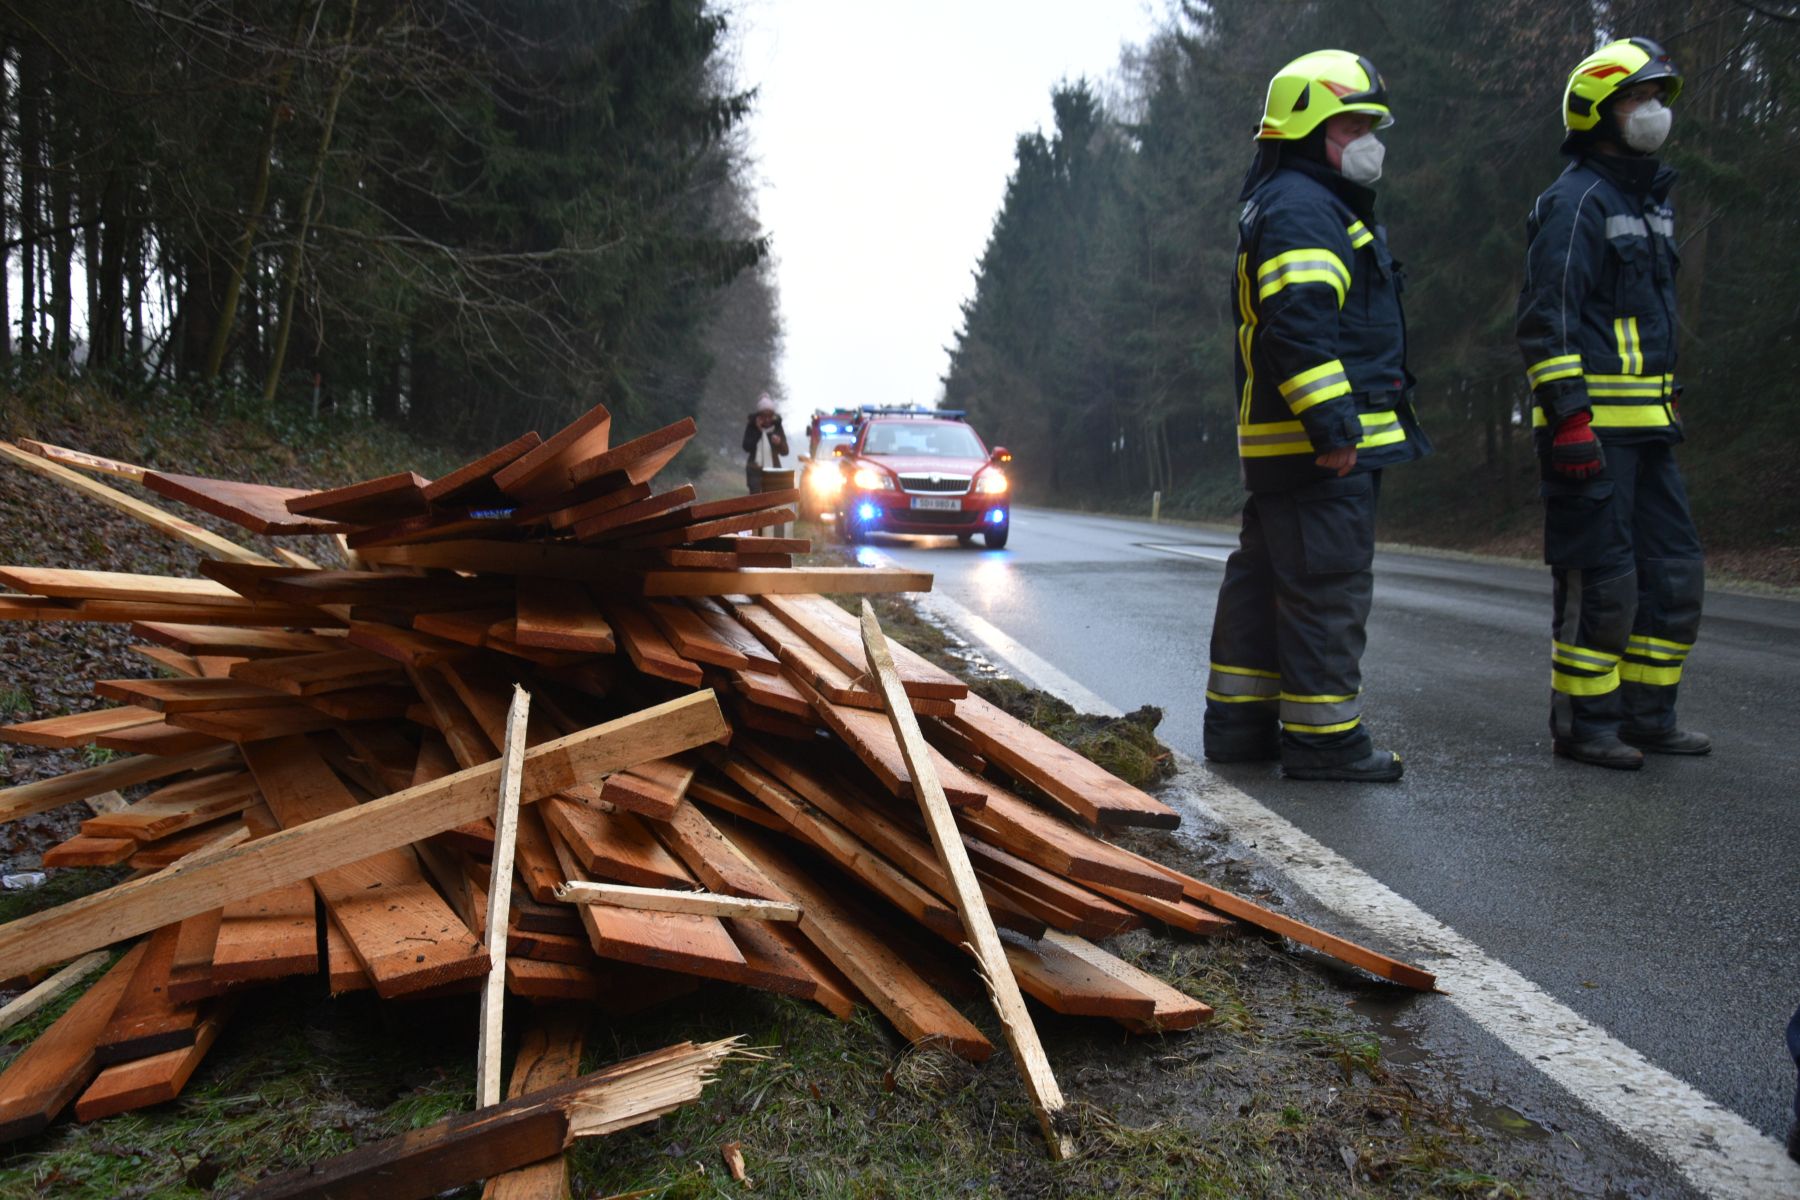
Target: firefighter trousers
{"points": [[1629, 581], [1288, 634]]}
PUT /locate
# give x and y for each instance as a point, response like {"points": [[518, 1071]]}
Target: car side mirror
{"points": [[840, 451], [1001, 455]]}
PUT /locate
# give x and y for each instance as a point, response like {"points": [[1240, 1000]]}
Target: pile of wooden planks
{"points": [[713, 789]]}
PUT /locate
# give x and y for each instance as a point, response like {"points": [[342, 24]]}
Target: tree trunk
{"points": [[30, 93], [62, 235], [297, 252], [253, 215], [6, 343]]}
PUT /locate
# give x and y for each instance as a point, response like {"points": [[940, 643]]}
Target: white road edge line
{"points": [[1716, 1150]]}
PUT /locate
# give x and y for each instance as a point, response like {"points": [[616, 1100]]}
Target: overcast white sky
{"points": [[884, 136]]}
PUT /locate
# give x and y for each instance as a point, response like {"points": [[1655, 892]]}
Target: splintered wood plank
{"points": [[651, 789], [669, 900], [176, 846], [238, 612], [190, 975], [559, 614], [386, 499], [46, 992], [50, 1072], [104, 917], [1038, 837], [629, 539], [157, 1078], [379, 588], [147, 1020], [831, 990], [1255, 914], [640, 458], [870, 738], [1181, 914], [81, 460], [54, 464], [685, 942], [984, 939], [563, 518], [77, 729], [692, 637], [1069, 984], [591, 522], [1174, 1010], [269, 936], [544, 470], [184, 665], [542, 980], [853, 943], [722, 795], [649, 651], [403, 932], [309, 674], [255, 724], [162, 736], [227, 641], [481, 1145], [343, 973], [86, 850], [548, 1054], [818, 804], [473, 482], [832, 631], [713, 858], [471, 627], [188, 695], [851, 854], [176, 807], [652, 523], [614, 845], [772, 691], [363, 704], [405, 646], [1061, 904], [258, 507], [1086, 789], [499, 902], [726, 628]]}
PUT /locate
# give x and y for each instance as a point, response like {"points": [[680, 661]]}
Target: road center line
{"points": [[1718, 1151]]}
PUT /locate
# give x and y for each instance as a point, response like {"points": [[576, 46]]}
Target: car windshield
{"points": [[924, 439], [828, 444]]}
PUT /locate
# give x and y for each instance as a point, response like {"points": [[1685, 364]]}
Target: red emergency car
{"points": [[923, 471]]}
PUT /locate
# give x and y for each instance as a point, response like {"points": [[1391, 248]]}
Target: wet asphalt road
{"points": [[1663, 904]]}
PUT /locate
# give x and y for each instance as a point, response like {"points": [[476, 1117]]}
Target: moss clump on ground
{"points": [[1126, 745]]}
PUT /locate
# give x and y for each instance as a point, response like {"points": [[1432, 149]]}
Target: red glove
{"points": [[1575, 451]]}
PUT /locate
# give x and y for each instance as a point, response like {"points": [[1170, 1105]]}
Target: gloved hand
{"points": [[1575, 451]]}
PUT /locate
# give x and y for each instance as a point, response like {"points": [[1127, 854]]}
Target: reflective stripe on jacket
{"points": [[1596, 316], [1321, 340]]}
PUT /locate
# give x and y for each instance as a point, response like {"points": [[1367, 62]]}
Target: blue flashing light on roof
{"points": [[946, 414], [828, 428]]}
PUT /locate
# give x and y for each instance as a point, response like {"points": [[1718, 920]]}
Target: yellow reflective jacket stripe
{"points": [[1315, 385], [1563, 366], [1265, 439], [1314, 264]]}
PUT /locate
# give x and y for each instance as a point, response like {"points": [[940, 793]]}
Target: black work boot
{"points": [[1603, 751], [1668, 741], [1240, 750], [1378, 766]]}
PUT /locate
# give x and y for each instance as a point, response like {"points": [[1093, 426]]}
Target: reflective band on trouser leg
{"points": [[1320, 714], [1241, 685], [1655, 661], [1578, 671]]}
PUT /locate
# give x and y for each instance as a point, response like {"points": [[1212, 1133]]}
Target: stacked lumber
{"points": [[709, 783]]}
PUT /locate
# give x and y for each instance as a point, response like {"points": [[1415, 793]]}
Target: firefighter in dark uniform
{"points": [[1596, 324], [1322, 410]]}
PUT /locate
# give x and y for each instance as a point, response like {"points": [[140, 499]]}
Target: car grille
{"points": [[935, 485]]}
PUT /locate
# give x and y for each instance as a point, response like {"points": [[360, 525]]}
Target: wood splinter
{"points": [[669, 900], [990, 956]]}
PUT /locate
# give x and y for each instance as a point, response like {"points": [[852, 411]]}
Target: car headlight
{"points": [[869, 479], [825, 480], [991, 483]]}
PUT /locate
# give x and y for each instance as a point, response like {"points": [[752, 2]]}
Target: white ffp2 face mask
{"points": [[1360, 160], [1646, 127]]}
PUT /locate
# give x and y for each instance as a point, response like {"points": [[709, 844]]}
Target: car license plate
{"points": [[941, 503]]}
